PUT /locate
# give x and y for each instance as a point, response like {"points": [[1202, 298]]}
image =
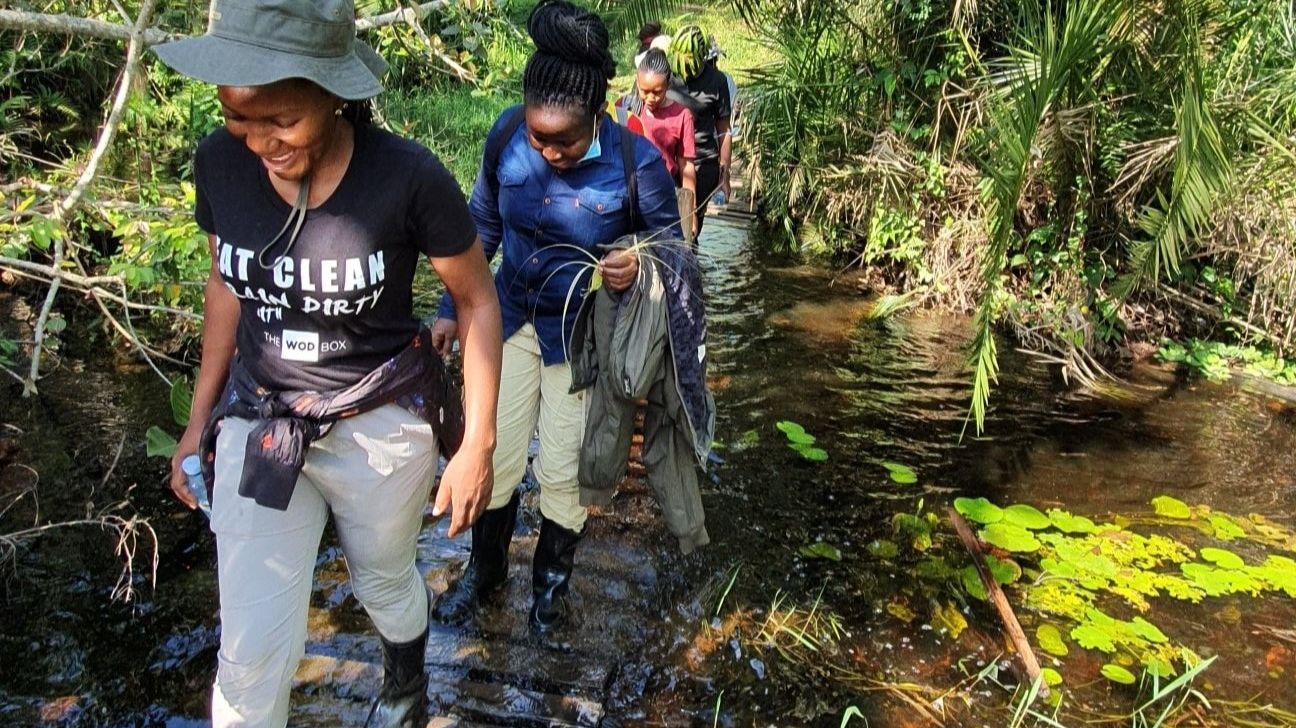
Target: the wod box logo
{"points": [[300, 346]]}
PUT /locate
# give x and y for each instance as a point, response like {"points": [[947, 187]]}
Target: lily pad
{"points": [[1092, 637], [1226, 529], [821, 550], [1071, 523], [949, 618], [1004, 571], [1010, 538], [1147, 631], [813, 454], [1171, 507], [801, 438], [902, 474], [901, 611], [972, 583], [882, 549], [933, 568], [1223, 559], [979, 509], [1118, 674], [1026, 516], [1050, 640], [789, 428]]}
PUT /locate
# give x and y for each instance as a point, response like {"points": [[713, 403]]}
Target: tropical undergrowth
{"points": [[1082, 173], [135, 245]]}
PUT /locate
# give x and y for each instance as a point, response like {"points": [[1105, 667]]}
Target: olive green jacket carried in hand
{"points": [[623, 350]]}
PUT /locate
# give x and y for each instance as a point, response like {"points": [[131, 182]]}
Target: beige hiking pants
{"points": [[373, 472], [534, 396]]}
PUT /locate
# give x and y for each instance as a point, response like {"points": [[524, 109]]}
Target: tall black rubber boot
{"points": [[551, 575], [487, 568], [402, 701]]}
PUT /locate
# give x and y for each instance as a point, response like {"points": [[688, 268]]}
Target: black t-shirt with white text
{"points": [[340, 303]]}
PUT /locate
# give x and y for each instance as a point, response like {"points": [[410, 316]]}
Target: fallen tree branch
{"points": [[25, 21], [1000, 602], [134, 52], [30, 22]]}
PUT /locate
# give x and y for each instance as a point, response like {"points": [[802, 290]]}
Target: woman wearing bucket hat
{"points": [[319, 389]]}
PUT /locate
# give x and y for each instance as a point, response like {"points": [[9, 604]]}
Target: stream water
{"points": [[788, 342]]}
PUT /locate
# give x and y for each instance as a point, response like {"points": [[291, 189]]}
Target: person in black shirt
{"points": [[708, 98], [317, 222]]}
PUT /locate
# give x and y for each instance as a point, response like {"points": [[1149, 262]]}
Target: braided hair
{"points": [[655, 62], [571, 65], [688, 52]]}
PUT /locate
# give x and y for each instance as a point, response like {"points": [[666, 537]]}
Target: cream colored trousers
{"points": [[534, 396], [373, 472]]}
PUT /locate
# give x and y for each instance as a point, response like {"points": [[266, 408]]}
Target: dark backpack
{"points": [[516, 117]]}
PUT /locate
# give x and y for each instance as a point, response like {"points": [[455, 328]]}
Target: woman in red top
{"points": [[667, 123]]}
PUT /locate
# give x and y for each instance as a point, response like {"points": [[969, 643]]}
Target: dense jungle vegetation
{"points": [[1091, 175], [1096, 181]]}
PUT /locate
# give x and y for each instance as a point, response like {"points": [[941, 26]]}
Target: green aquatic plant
{"points": [[1082, 573], [802, 442], [901, 474]]}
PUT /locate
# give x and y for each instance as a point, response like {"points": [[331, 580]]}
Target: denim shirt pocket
{"points": [[601, 217], [517, 204]]}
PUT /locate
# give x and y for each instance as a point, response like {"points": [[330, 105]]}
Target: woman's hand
{"points": [[187, 446], [466, 487], [619, 269], [444, 333]]}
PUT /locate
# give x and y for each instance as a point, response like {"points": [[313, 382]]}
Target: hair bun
{"points": [[571, 34]]}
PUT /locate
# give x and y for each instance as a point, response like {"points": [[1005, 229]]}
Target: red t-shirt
{"points": [[670, 129]]}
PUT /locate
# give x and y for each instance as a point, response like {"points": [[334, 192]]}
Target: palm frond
{"points": [[1202, 173], [1054, 54]]}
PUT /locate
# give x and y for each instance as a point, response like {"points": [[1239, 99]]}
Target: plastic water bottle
{"points": [[192, 468], [719, 198]]}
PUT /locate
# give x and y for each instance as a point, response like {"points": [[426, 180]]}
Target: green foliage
{"points": [[802, 442], [821, 550], [1216, 360], [902, 474], [979, 510]]}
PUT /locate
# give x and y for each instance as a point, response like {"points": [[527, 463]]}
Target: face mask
{"points": [[595, 148]]}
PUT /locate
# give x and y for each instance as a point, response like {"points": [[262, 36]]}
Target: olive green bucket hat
{"points": [[256, 42]]}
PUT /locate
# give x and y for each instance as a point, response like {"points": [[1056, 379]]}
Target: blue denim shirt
{"points": [[548, 224]]}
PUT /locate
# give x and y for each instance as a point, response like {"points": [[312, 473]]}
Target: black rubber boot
{"points": [[551, 575], [403, 700], [487, 568]]}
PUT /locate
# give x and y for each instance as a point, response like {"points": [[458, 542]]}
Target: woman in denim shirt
{"points": [[558, 194]]}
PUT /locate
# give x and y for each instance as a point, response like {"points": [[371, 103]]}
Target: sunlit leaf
{"points": [[1223, 559], [1118, 674], [979, 510], [1010, 538], [813, 454], [1052, 677], [1050, 640], [1026, 516], [900, 473], [1004, 571], [1091, 637], [1171, 507]]}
